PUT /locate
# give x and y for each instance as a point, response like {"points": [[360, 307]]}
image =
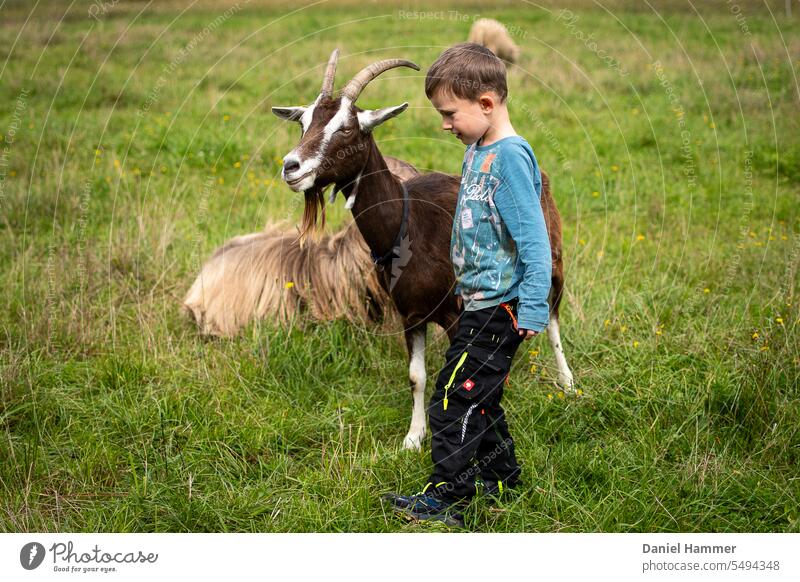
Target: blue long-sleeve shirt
{"points": [[499, 244]]}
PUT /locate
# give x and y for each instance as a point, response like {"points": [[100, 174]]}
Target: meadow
{"points": [[137, 137]]}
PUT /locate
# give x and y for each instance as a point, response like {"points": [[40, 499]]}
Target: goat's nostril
{"points": [[290, 166]]}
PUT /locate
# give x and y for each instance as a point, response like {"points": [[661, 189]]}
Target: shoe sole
{"points": [[447, 520], [410, 515]]}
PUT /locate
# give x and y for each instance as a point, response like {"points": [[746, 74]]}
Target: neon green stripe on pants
{"points": [[453, 377]]}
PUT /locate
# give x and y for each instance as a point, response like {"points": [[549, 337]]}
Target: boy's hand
{"points": [[528, 333]]}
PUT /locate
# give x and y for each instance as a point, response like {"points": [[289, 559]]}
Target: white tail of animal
{"points": [[494, 36]]}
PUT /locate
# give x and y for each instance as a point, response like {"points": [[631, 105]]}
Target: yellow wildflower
{"points": [[640, 237], [226, 117], [289, 284], [237, 165]]}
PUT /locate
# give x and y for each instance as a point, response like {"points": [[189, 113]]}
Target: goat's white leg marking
{"points": [[564, 373], [418, 377]]}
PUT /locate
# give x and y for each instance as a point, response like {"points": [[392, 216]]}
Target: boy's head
{"points": [[466, 84]]}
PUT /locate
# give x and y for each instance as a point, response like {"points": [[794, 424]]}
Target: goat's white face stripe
{"points": [[336, 122], [311, 163], [308, 114]]}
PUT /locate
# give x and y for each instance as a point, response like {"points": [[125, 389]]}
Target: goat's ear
{"points": [[372, 118], [289, 113]]}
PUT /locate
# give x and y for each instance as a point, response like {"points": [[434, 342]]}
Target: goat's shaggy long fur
{"points": [[494, 36], [268, 275]]}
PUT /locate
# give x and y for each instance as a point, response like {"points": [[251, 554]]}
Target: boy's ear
{"points": [[372, 118], [487, 101]]}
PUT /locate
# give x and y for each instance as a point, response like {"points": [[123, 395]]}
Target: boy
{"points": [[501, 256]]}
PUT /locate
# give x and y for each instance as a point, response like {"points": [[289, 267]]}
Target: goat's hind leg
{"points": [[415, 343], [565, 378]]}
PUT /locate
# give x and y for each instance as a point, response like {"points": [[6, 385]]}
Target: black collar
{"points": [[395, 250]]}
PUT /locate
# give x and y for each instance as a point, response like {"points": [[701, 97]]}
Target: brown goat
{"points": [[407, 225]]}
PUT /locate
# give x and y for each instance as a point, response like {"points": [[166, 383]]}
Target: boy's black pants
{"points": [[469, 431]]}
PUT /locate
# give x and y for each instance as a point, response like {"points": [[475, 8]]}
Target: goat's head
{"points": [[336, 138]]}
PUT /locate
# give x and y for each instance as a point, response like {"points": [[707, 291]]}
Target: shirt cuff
{"points": [[530, 319]]}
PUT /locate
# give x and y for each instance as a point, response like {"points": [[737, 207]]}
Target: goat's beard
{"points": [[313, 213]]}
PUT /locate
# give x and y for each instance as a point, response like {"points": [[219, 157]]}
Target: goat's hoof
{"points": [[566, 383], [413, 442]]}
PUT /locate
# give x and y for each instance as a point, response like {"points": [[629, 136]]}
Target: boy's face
{"points": [[467, 120]]}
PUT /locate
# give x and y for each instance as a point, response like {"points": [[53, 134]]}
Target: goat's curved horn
{"points": [[353, 89], [330, 73]]}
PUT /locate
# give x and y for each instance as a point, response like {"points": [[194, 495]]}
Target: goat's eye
{"points": [[346, 131]]}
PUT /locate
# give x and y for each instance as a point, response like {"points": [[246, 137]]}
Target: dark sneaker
{"points": [[424, 507]]}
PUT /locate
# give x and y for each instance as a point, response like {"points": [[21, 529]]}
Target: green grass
{"points": [[121, 173]]}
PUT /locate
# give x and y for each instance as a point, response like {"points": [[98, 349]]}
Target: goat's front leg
{"points": [[415, 343]]}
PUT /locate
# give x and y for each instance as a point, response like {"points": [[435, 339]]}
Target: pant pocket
{"points": [[478, 372]]}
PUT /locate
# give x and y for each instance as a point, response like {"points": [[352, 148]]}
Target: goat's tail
{"points": [[269, 275]]}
